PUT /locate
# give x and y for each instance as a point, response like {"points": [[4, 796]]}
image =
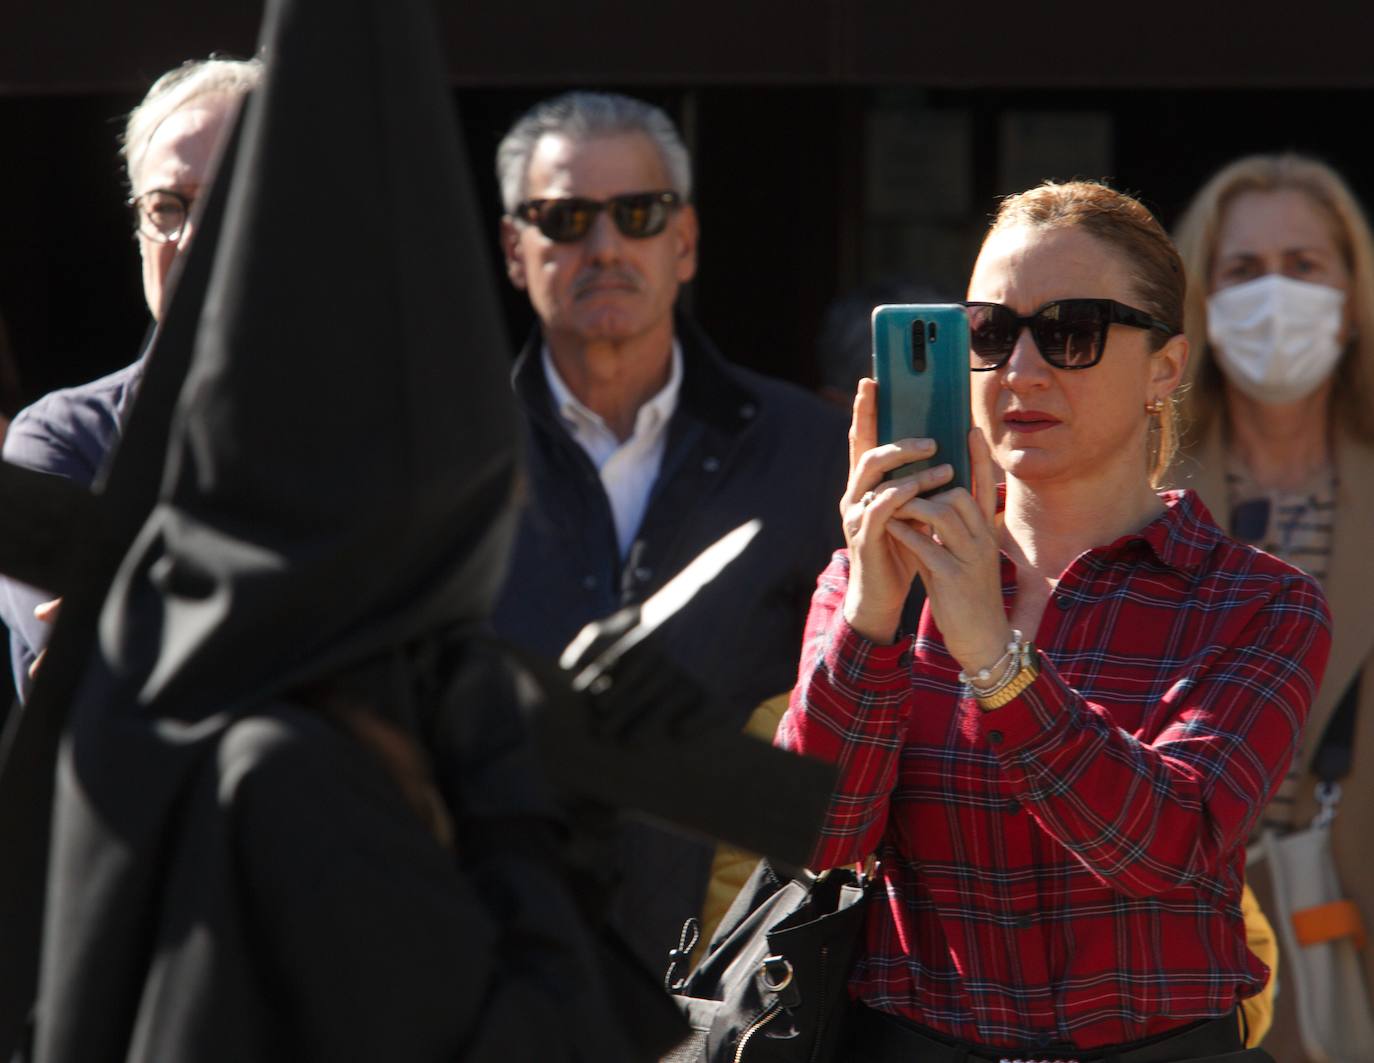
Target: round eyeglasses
{"points": [[161, 214]]}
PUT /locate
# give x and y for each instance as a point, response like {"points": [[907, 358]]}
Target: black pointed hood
{"points": [[343, 452], [337, 480]]}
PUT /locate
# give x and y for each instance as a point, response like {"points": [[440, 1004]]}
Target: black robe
{"points": [[269, 895], [234, 874]]}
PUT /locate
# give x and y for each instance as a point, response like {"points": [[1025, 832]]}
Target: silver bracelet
{"points": [[1008, 674], [1009, 664]]}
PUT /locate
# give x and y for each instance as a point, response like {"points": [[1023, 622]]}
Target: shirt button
{"points": [[1025, 922], [1062, 601], [995, 738], [711, 464], [589, 583], [1014, 806], [905, 659], [643, 573], [748, 410]]}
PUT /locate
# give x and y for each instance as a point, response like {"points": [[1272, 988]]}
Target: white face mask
{"points": [[1276, 339]]}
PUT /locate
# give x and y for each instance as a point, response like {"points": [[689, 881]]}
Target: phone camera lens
{"points": [[918, 346]]}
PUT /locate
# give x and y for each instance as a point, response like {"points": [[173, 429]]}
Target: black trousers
{"points": [[877, 1037]]}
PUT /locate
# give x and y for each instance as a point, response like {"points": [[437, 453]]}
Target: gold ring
{"points": [[867, 499]]}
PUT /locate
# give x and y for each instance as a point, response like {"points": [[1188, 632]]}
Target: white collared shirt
{"points": [[628, 470]]}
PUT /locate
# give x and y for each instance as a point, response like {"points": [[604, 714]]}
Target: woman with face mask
{"points": [[1280, 314]]}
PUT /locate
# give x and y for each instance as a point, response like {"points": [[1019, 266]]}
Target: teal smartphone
{"points": [[921, 363]]}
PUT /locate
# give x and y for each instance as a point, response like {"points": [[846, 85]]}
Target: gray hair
{"points": [[174, 90], [579, 115]]}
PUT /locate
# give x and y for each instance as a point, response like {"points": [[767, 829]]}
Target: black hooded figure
{"points": [[295, 816]]}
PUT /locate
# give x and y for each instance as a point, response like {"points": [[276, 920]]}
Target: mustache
{"points": [[593, 276]]}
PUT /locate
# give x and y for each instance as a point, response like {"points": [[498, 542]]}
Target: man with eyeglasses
{"points": [[645, 445], [170, 144]]}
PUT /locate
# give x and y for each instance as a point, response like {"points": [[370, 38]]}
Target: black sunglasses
{"points": [[1069, 333], [636, 214]]}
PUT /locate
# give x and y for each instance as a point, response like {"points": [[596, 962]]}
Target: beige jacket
{"points": [[1350, 593]]}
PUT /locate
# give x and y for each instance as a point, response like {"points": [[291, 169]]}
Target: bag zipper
{"points": [[754, 1027], [820, 995]]}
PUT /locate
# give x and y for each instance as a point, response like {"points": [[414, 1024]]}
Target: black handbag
{"points": [[773, 985]]}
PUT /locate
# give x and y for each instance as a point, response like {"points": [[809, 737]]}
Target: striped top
{"points": [[1066, 871], [1295, 525]]}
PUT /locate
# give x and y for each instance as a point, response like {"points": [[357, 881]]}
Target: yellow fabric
{"points": [[731, 867], [1259, 936]]}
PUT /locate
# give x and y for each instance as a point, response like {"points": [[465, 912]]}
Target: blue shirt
{"points": [[69, 433]]}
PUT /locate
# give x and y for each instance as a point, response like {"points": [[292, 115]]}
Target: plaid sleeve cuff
{"points": [[862, 663], [1032, 721]]}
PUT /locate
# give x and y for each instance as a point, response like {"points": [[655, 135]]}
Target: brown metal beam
{"points": [[66, 46]]}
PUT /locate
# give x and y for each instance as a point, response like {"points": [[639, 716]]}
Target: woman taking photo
{"points": [[1280, 317], [1058, 770]]}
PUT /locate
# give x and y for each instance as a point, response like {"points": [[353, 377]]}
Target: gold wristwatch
{"points": [[1024, 677]]}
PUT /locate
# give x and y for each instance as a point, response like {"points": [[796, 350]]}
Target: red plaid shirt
{"points": [[1067, 869]]}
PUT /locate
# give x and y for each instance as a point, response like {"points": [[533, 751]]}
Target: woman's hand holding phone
{"points": [[950, 541], [881, 566]]}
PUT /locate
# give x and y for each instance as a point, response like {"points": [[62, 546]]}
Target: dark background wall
{"points": [[777, 102]]}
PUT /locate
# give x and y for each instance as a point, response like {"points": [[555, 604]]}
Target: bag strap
{"points": [[1336, 751]]}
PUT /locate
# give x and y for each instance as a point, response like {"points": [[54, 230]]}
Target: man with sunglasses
{"points": [[645, 445], [171, 142]]}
